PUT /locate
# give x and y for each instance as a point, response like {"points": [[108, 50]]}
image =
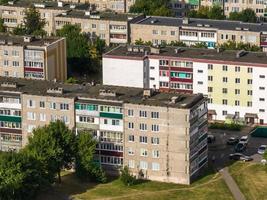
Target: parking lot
{"points": [[220, 150]]}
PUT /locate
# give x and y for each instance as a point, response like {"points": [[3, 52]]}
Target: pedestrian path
{"points": [[230, 182]]}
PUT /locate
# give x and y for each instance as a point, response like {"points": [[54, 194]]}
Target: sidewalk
{"points": [[230, 182]]}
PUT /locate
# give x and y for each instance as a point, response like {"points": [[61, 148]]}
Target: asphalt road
{"points": [[220, 150]]}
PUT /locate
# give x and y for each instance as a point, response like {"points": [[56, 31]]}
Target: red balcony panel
{"points": [[182, 80], [110, 153], [10, 130], [181, 69], [31, 69], [263, 43], [163, 68]]}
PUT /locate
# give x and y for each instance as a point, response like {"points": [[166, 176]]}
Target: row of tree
{"points": [[229, 45], [52, 148]]}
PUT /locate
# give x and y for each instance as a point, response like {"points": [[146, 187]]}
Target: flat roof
{"points": [[19, 40], [199, 54], [210, 24], [112, 16], [123, 94]]}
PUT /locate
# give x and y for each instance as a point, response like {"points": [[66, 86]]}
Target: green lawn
{"points": [[208, 188], [251, 178]]}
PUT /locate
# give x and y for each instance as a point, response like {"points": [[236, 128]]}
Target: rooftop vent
{"points": [[130, 48], [72, 6], [148, 93], [95, 16], [2, 41], [28, 38], [10, 2], [153, 21], [108, 93], [207, 25], [175, 99], [87, 13], [186, 20], [240, 53], [155, 49], [246, 29], [55, 91], [60, 4], [10, 42], [178, 50], [199, 25], [39, 5], [238, 28], [8, 84]]}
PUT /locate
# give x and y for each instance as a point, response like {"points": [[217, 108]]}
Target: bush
{"points": [[223, 126], [127, 178]]}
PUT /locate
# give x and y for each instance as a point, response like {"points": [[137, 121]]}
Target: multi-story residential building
{"points": [[138, 128], [161, 30], [33, 58], [258, 6], [108, 26], [233, 81]]}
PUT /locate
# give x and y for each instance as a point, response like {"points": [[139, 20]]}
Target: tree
{"points": [[200, 45], [177, 43], [205, 12], [86, 167], [2, 26], [21, 176], [126, 177], [33, 24], [216, 12], [247, 15], [54, 147], [234, 16], [232, 45], [152, 7]]}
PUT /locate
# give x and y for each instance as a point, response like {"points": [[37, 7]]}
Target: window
{"points": [[130, 125], [237, 91], [200, 82], [143, 139], [224, 101], [249, 92], [115, 122], [210, 89], [163, 62], [6, 73], [31, 116], [5, 53], [262, 76], [261, 110], [53, 105], [142, 113], [210, 66], [143, 152], [5, 62], [31, 104], [42, 104], [131, 164], [154, 140], [130, 151], [250, 70], [224, 90], [249, 103], [143, 127], [15, 63], [210, 78], [30, 128], [249, 81], [261, 99], [225, 79], [105, 121], [225, 68], [42, 117], [154, 115], [224, 112], [210, 100], [237, 103], [237, 69], [155, 128], [64, 106], [237, 80], [155, 153], [172, 32], [199, 71], [261, 88], [155, 166], [131, 138], [86, 119], [15, 53], [155, 32], [93, 25], [143, 165]]}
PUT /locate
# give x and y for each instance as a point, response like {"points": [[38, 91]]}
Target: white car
{"points": [[244, 139], [262, 149]]}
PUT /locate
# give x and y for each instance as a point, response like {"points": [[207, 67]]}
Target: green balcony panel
{"points": [[10, 118], [111, 115]]}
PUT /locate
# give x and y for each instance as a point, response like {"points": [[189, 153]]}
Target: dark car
{"points": [[232, 140], [240, 156], [240, 147], [211, 138]]}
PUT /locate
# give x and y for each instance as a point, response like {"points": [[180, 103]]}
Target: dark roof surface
{"points": [[193, 53], [193, 22], [123, 94]]}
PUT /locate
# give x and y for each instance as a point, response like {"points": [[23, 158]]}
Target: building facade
{"points": [[166, 30], [122, 119], [33, 58], [234, 82]]}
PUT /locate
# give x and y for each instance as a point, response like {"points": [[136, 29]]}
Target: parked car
{"points": [[211, 138], [240, 156], [232, 140], [240, 147], [244, 139], [262, 149]]}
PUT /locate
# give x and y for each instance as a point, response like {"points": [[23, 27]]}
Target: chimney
{"points": [[155, 50], [60, 4], [147, 93], [87, 13], [219, 50], [186, 20], [178, 50], [240, 53], [28, 38]]}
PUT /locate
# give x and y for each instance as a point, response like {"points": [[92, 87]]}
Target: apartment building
{"points": [[33, 58], [108, 26], [233, 81], [164, 30], [124, 120], [258, 6]]}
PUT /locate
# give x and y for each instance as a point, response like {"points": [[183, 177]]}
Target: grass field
{"points": [[208, 188], [251, 178]]}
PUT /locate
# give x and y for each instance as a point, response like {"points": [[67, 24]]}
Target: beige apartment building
{"points": [[229, 6], [33, 58], [161, 30]]}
